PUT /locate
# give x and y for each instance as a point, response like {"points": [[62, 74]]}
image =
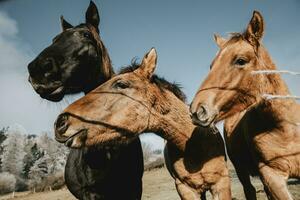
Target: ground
{"points": [[158, 185]]}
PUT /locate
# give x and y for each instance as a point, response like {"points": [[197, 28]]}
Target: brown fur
{"points": [[262, 135], [138, 101]]}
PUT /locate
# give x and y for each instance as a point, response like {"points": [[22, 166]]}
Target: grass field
{"points": [[158, 185]]}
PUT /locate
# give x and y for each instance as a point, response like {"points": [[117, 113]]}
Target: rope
{"points": [[276, 72], [270, 96]]}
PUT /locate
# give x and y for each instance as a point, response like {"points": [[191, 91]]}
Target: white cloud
{"points": [[19, 103], [8, 25], [11, 54]]}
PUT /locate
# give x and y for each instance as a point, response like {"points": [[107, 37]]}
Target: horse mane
{"points": [[235, 36], [107, 66], [161, 82]]}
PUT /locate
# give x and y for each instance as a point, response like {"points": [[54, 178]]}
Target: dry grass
{"points": [[158, 184]]}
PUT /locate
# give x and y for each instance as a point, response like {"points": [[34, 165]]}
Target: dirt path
{"points": [[158, 185]]}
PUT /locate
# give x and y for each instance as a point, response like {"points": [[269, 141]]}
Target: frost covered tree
{"points": [[33, 153], [13, 151], [2, 138], [35, 161], [57, 153], [49, 167], [40, 169]]}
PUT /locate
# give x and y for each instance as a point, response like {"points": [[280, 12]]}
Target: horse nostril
{"points": [[202, 113], [49, 64], [61, 124], [48, 67]]}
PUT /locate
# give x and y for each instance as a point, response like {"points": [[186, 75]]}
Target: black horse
{"points": [[78, 61]]}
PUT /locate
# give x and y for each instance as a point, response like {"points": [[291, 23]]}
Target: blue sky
{"points": [[181, 31]]}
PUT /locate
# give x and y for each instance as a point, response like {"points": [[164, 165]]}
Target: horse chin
{"points": [[108, 139], [101, 139]]}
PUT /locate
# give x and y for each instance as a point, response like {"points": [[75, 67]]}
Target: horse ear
{"points": [[148, 64], [92, 15], [255, 28], [64, 24], [219, 40]]}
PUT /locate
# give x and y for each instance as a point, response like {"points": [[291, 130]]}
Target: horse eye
{"points": [[121, 85], [241, 61]]}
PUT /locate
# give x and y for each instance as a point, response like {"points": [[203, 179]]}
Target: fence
{"points": [[270, 96]]}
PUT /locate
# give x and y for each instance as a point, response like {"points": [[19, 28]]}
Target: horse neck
{"points": [[176, 126], [270, 83], [273, 84]]}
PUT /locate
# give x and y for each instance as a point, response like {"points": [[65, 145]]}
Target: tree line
{"points": [[30, 162], [36, 162]]}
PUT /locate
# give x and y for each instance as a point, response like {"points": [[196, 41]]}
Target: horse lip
{"points": [[68, 141], [56, 95]]}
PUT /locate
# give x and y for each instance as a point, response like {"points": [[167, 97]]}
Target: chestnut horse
{"points": [[137, 101], [268, 129], [78, 61]]}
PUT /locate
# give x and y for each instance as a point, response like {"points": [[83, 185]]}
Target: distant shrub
{"points": [[7, 182], [21, 184], [157, 151], [158, 163], [56, 181], [51, 182], [147, 151]]}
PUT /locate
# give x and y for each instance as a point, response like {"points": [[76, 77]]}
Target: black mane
{"points": [[161, 82]]}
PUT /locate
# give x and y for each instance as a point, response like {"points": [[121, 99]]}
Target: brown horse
{"points": [[137, 101], [268, 128], [76, 61]]}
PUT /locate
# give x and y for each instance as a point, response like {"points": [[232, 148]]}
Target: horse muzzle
{"points": [[65, 134], [202, 115]]}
